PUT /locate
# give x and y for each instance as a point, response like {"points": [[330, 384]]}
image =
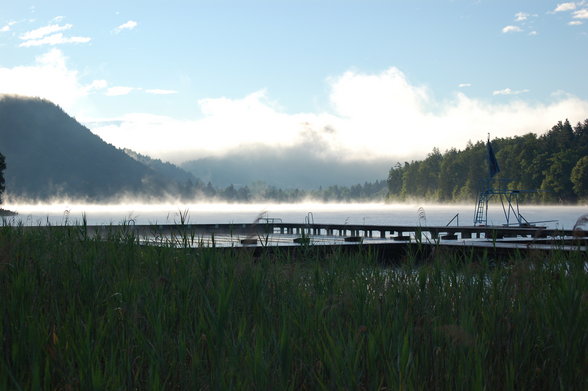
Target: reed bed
{"points": [[107, 313]]}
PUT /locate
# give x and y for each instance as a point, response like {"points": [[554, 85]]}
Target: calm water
{"points": [[374, 214]]}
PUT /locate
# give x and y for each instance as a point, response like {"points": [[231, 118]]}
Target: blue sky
{"points": [[352, 79]]}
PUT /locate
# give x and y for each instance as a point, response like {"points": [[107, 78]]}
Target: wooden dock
{"points": [[387, 243], [383, 232]]}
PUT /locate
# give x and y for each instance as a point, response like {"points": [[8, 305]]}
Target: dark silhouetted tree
{"points": [[2, 167]]}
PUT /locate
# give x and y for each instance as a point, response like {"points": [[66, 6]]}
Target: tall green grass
{"points": [[106, 313]]}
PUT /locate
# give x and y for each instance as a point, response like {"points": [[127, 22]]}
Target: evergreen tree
{"points": [[552, 162], [580, 177]]}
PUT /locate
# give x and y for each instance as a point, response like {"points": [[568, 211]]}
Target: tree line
{"points": [[554, 164], [262, 192]]}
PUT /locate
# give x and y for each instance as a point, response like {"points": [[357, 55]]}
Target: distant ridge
{"points": [[166, 169], [49, 154]]}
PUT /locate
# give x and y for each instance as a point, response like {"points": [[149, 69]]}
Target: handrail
{"points": [[456, 217], [271, 220]]}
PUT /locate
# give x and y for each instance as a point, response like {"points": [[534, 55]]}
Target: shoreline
{"points": [[7, 213]]}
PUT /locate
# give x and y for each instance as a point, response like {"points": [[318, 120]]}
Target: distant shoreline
{"points": [[5, 212]]}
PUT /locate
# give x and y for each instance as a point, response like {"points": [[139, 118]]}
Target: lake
{"points": [[563, 217]]}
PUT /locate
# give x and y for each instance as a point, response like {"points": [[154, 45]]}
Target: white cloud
{"points": [[131, 24], [370, 115], [50, 35], [581, 14], [7, 27], [54, 39], [508, 91], [464, 85], [157, 91], [49, 78], [511, 29], [119, 90], [575, 23], [97, 85], [43, 31], [378, 115], [565, 7], [521, 16]]}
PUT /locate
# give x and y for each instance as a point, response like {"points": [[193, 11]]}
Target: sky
{"points": [[349, 80]]}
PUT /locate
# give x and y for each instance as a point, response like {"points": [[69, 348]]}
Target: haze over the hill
{"points": [[49, 154], [295, 167]]}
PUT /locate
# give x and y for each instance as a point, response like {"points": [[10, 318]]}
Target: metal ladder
{"points": [[480, 216]]}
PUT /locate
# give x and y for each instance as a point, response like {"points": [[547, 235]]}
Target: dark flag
{"points": [[492, 163]]}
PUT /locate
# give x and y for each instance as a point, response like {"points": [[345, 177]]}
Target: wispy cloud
{"points": [[45, 30], [157, 91], [464, 85], [119, 90], [96, 85], [124, 90], [50, 35], [565, 7], [131, 24], [7, 27], [511, 29], [577, 10], [523, 21], [508, 91], [55, 39]]}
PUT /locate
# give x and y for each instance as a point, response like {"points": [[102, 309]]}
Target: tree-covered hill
{"points": [[555, 164], [169, 170], [49, 154]]}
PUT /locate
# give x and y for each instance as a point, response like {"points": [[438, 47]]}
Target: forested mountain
{"points": [[49, 154], [170, 171], [555, 164]]}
